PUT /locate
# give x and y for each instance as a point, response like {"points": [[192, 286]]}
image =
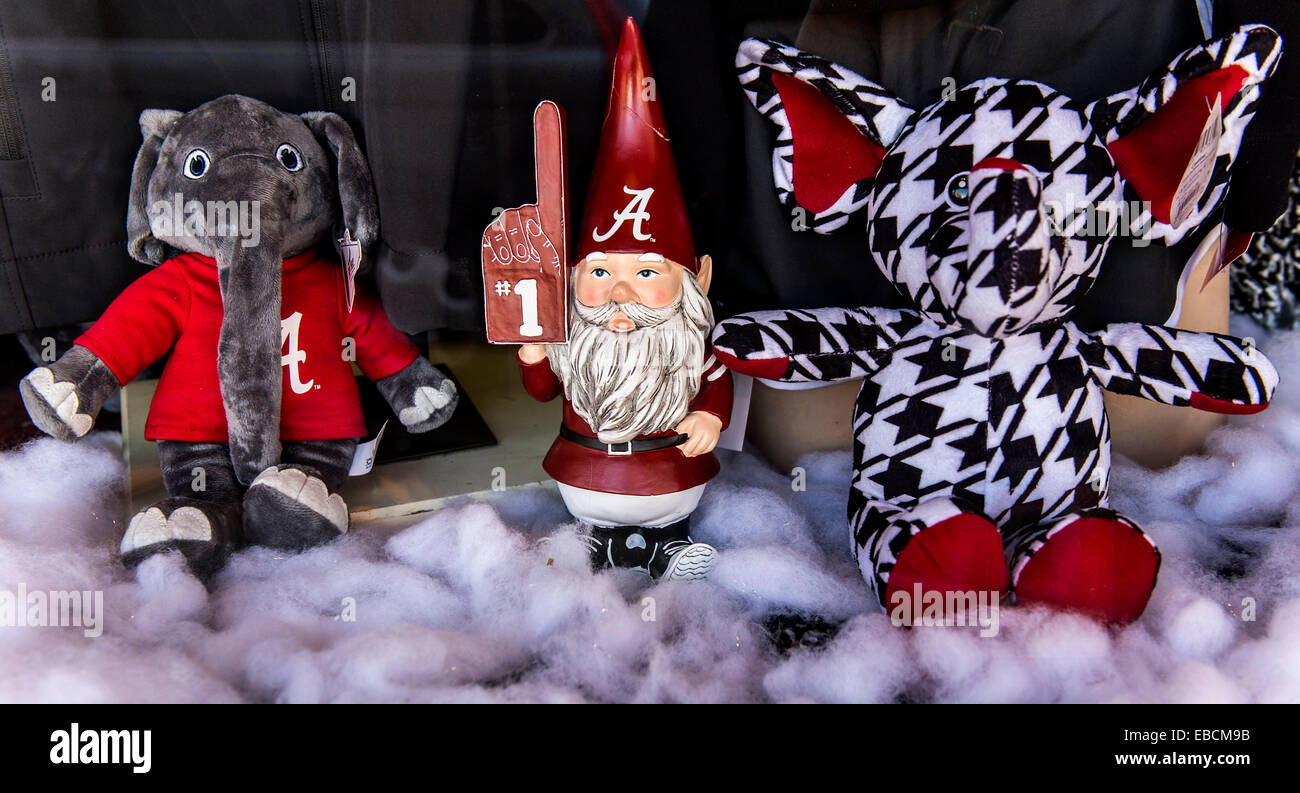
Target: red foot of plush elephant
{"points": [[940, 546], [1094, 562], [1097, 563], [960, 554]]}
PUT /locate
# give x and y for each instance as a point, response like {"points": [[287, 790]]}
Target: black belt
{"points": [[627, 447]]}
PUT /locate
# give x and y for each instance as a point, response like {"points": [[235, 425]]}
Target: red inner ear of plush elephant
{"points": [[1153, 156], [830, 154]]}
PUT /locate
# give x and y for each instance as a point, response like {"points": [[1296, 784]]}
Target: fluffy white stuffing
{"points": [[464, 605]]}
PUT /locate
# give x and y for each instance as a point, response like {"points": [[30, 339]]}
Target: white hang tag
{"points": [[351, 252], [733, 437], [363, 459], [1199, 169]]}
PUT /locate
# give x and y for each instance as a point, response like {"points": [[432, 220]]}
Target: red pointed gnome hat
{"points": [[634, 202]]}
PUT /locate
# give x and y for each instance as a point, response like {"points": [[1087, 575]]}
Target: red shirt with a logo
{"points": [[178, 304]]}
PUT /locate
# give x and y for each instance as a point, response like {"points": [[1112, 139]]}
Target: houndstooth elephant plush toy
{"points": [[982, 447]]}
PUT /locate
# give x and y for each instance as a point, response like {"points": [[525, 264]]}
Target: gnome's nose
{"points": [[622, 293]]}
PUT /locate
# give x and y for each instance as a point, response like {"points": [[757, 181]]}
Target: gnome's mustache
{"points": [[641, 381], [641, 315]]}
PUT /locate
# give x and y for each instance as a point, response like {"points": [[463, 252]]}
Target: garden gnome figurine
{"points": [[645, 400]]}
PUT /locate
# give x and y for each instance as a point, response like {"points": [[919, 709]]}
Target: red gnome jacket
{"points": [[649, 473], [179, 303]]}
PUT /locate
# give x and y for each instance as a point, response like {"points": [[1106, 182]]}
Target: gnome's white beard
{"points": [[637, 382]]}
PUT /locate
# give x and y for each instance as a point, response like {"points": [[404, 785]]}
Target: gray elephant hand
{"points": [[428, 407], [64, 398], [421, 396]]}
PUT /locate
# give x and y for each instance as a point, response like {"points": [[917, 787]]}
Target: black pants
{"points": [[180, 461]]}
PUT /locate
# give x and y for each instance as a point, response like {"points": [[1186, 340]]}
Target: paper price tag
{"points": [[363, 459], [1199, 169]]}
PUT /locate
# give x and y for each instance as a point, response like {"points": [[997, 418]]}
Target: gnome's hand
{"points": [[532, 353], [701, 430]]}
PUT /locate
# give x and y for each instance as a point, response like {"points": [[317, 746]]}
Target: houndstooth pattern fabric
{"points": [[1060, 140], [919, 235], [1256, 49], [916, 228], [1014, 429], [984, 397], [822, 345], [1266, 279], [1171, 366], [877, 114], [885, 530]]}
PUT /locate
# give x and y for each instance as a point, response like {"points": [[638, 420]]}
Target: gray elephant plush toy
{"points": [[257, 414]]}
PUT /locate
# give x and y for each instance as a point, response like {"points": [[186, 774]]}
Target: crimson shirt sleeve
{"points": [[382, 349], [715, 394], [539, 380], [142, 324]]}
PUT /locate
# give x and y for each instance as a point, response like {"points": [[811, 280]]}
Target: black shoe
{"points": [[596, 549], [619, 546], [674, 556], [683, 560]]}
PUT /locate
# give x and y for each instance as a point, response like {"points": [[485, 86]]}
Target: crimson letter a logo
{"points": [[294, 356], [637, 210]]}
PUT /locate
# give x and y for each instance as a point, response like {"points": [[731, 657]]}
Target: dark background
{"points": [[444, 95]]}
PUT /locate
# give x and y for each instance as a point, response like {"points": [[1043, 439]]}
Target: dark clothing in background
{"points": [[1266, 279], [444, 93], [1260, 177], [1084, 49]]}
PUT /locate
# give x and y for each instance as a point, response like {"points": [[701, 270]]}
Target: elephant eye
{"points": [[959, 190], [196, 164], [289, 157]]}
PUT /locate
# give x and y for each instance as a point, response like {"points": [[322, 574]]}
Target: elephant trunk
{"points": [[1010, 245], [1009, 221], [248, 354]]}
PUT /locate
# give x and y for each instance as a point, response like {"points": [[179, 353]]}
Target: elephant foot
{"points": [[202, 531], [960, 554], [1095, 562], [940, 549], [288, 507]]}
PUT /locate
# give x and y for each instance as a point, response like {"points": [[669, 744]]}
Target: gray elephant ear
{"points": [[141, 243], [356, 189]]}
